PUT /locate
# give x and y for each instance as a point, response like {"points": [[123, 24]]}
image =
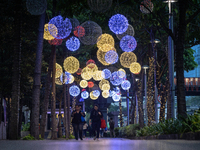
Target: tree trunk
{"points": [[140, 102], [37, 79], [16, 75], [45, 103], [53, 103], [68, 111], [65, 112], [133, 100], [20, 118], [120, 113], [59, 124]]}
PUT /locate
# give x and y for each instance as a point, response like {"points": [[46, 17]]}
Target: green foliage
{"points": [[179, 126], [71, 136], [25, 127], [117, 131], [193, 101], [29, 137], [189, 63], [127, 131]]}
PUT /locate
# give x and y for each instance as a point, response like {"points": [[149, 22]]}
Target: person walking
{"points": [[85, 126], [96, 116], [77, 123], [112, 126]]}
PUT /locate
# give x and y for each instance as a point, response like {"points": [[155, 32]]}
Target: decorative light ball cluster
{"points": [[127, 58], [90, 84], [101, 57], [111, 93], [96, 93], [105, 94], [102, 82], [130, 31], [148, 4], [99, 6], [118, 24], [135, 68], [73, 43], [92, 96], [71, 64], [128, 43], [105, 39], [55, 41], [97, 76], [106, 87], [111, 57], [64, 27], [116, 97], [106, 73], [84, 94], [59, 70], [121, 73], [47, 35], [36, 7], [83, 84], [86, 73], [126, 85], [90, 61], [92, 32], [74, 90], [71, 79], [58, 81], [64, 78], [79, 31], [106, 48], [115, 79], [92, 68]]}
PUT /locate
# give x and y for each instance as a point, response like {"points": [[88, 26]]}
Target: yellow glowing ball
{"points": [[105, 94], [59, 71], [71, 64], [102, 82], [106, 48], [47, 35], [106, 87], [121, 73], [58, 82], [92, 68], [135, 68], [71, 79], [105, 39], [86, 73], [92, 96], [127, 58], [97, 76], [83, 83]]}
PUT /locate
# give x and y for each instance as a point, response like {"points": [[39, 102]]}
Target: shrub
{"points": [[131, 130], [71, 136], [26, 127], [29, 137], [117, 131]]}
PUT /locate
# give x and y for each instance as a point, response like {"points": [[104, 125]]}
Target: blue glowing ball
{"points": [[74, 90], [121, 74], [65, 78], [84, 94], [116, 97], [128, 43], [126, 85], [115, 79], [117, 90], [111, 57], [112, 93], [106, 73], [81, 100], [73, 43], [64, 27], [96, 93], [118, 24]]}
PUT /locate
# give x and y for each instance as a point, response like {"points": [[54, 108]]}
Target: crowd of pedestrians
{"points": [[96, 126]]}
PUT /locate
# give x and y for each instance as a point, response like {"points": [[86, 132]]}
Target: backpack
{"points": [[103, 124], [112, 126]]}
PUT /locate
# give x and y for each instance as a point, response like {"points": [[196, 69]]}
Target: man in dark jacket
{"points": [[77, 123], [96, 116]]}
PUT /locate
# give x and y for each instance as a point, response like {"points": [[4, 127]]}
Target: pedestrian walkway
{"points": [[102, 144]]}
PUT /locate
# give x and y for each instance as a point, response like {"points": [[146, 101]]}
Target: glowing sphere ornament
{"points": [[84, 94], [126, 85], [90, 61], [74, 23], [106, 48], [117, 90], [106, 73], [135, 68], [111, 93], [71, 64], [111, 57], [65, 77], [99, 6], [79, 71], [74, 90], [96, 93], [92, 68], [83, 83], [101, 57], [106, 87], [58, 81], [127, 58], [92, 96], [86, 73], [92, 32], [64, 27], [130, 31], [115, 79], [36, 7], [121, 73], [59, 70], [148, 4], [116, 97], [90, 84], [118, 24], [102, 82], [71, 79], [47, 35], [73, 44], [105, 94], [105, 39], [55, 41], [128, 43], [79, 31], [97, 76]]}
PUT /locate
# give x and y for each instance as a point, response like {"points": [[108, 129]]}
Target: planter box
{"points": [[24, 133]]}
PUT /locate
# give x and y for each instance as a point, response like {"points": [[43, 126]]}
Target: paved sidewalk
{"points": [[102, 144]]}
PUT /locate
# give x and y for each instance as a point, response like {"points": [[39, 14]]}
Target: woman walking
{"points": [[77, 123]]}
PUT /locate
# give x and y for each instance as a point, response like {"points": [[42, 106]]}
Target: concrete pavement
{"points": [[102, 144]]}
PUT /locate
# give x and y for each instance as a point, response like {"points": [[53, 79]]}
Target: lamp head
{"points": [[145, 67], [170, 1]]}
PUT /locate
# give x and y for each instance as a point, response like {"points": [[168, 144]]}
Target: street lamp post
{"points": [[171, 57], [127, 107], [145, 67], [137, 118]]}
